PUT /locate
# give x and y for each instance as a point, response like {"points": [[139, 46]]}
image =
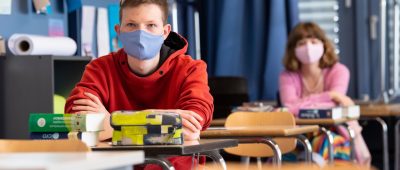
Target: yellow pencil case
{"points": [[146, 127]]}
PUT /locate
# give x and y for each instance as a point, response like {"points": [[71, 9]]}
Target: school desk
{"points": [[155, 154], [331, 122], [264, 134], [70, 160], [292, 166], [322, 122], [375, 112]]}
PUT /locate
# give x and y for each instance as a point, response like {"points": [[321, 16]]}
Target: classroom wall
{"points": [[98, 3], [23, 18]]}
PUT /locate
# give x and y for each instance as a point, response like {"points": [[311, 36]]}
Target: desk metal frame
{"points": [[277, 158], [397, 145], [166, 165], [352, 144], [331, 155], [153, 156], [329, 136], [268, 141], [385, 144]]}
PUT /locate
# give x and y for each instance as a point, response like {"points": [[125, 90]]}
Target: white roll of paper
{"points": [[26, 44]]}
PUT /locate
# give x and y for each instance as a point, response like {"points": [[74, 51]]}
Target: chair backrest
{"points": [[249, 119], [227, 92], [43, 146]]}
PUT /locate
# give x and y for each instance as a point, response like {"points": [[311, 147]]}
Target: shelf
{"points": [[71, 58], [28, 84]]}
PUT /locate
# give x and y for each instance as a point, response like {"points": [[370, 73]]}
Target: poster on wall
{"points": [[42, 6], [103, 36], [87, 30], [113, 19], [5, 7], [56, 27]]}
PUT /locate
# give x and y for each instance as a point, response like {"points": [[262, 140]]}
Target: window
{"points": [[393, 47], [325, 14]]}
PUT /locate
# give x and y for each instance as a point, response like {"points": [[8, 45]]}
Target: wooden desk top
{"points": [[70, 160], [221, 122], [258, 131], [188, 148], [377, 110], [322, 121], [291, 166]]}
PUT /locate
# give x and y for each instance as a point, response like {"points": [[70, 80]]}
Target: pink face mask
{"points": [[309, 53]]}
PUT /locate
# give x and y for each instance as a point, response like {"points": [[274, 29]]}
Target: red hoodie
{"points": [[179, 83]]}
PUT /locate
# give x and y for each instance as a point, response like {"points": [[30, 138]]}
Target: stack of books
{"points": [[352, 112], [47, 126]]}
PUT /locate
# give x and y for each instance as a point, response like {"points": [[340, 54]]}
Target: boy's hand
{"points": [[191, 124], [189, 135], [190, 121], [92, 105]]}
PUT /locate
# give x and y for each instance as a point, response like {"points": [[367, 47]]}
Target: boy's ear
{"points": [[167, 30], [116, 28]]}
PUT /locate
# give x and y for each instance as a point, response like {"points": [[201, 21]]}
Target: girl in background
{"points": [[314, 78]]}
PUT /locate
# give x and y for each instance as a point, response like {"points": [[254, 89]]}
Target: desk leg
{"points": [[275, 148], [195, 161], [385, 144], [165, 165], [245, 160], [329, 136], [216, 157], [271, 143], [352, 146], [307, 147], [397, 145]]}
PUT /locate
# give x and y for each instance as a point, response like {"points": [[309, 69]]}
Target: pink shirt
{"points": [[291, 88]]}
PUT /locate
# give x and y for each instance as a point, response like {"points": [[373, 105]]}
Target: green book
{"points": [[47, 122]]}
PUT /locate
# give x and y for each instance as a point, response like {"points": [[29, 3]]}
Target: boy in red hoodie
{"points": [[151, 71]]}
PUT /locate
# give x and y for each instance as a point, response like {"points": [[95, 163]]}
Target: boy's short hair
{"points": [[163, 4], [308, 30]]}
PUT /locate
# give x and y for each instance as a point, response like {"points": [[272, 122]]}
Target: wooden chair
{"points": [[249, 119], [7, 146]]}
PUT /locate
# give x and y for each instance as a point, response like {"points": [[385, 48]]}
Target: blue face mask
{"points": [[141, 44]]}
